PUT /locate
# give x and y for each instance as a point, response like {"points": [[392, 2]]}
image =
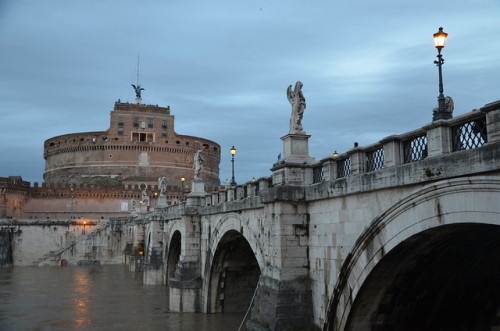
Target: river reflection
{"points": [[55, 298]]}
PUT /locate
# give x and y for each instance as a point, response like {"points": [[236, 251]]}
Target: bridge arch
{"points": [[233, 266], [406, 270], [173, 254]]}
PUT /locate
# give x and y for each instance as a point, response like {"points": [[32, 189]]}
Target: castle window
{"points": [[187, 143], [143, 137], [177, 142], [163, 133], [136, 122], [120, 121], [164, 124], [205, 146], [120, 130], [150, 123]]}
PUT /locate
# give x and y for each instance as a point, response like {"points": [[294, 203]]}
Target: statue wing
{"points": [[134, 86], [289, 93]]}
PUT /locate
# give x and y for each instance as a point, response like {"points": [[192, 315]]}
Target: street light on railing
{"points": [[439, 42], [233, 152], [183, 179]]}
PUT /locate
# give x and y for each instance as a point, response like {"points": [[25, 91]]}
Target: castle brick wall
{"points": [[140, 146]]}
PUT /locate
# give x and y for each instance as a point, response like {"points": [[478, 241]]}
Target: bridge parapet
{"points": [[468, 131], [399, 153]]}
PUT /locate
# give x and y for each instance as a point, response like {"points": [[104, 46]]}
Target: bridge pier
{"points": [[283, 297], [183, 270], [185, 288], [153, 266]]}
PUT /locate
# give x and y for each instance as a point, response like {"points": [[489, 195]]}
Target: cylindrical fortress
{"points": [[139, 147]]}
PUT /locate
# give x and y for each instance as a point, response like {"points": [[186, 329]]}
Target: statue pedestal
{"points": [[197, 188], [295, 166], [296, 148], [162, 201], [197, 194], [144, 208]]}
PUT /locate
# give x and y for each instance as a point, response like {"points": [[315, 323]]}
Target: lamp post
{"points": [[233, 152], [183, 179], [439, 42]]}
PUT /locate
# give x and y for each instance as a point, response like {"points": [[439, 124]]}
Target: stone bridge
{"points": [[403, 234]]}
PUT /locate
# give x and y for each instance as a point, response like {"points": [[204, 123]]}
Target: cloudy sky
{"points": [[223, 67]]}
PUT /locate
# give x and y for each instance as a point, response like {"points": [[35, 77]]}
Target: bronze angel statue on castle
{"points": [[138, 90]]}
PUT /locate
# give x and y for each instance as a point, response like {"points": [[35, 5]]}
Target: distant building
{"points": [[101, 174]]}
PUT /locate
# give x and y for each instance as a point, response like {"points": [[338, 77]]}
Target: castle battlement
{"points": [[141, 108]]}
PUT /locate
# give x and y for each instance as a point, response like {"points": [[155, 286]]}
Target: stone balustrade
{"points": [[475, 129]]}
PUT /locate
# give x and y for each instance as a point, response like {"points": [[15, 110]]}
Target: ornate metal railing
{"points": [[415, 149], [375, 159], [469, 135], [344, 168], [318, 174]]}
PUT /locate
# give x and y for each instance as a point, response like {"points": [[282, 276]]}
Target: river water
{"points": [[77, 297]]}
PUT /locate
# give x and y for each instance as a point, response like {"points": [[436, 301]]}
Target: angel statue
{"points": [[138, 90], [162, 184], [298, 102], [197, 164], [144, 197]]}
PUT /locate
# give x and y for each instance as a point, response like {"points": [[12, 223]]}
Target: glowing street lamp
{"points": [[439, 42], [183, 179], [233, 152]]}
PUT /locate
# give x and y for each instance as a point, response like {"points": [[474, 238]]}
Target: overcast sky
{"points": [[223, 67]]}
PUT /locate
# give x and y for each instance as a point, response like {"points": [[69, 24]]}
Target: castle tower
{"points": [[139, 147]]}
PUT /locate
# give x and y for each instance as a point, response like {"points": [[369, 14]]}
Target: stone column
{"points": [[438, 138], [492, 111], [358, 161], [330, 169], [392, 151]]}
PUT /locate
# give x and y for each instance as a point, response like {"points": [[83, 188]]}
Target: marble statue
{"points": [[144, 197], [197, 164], [298, 102], [162, 185]]}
